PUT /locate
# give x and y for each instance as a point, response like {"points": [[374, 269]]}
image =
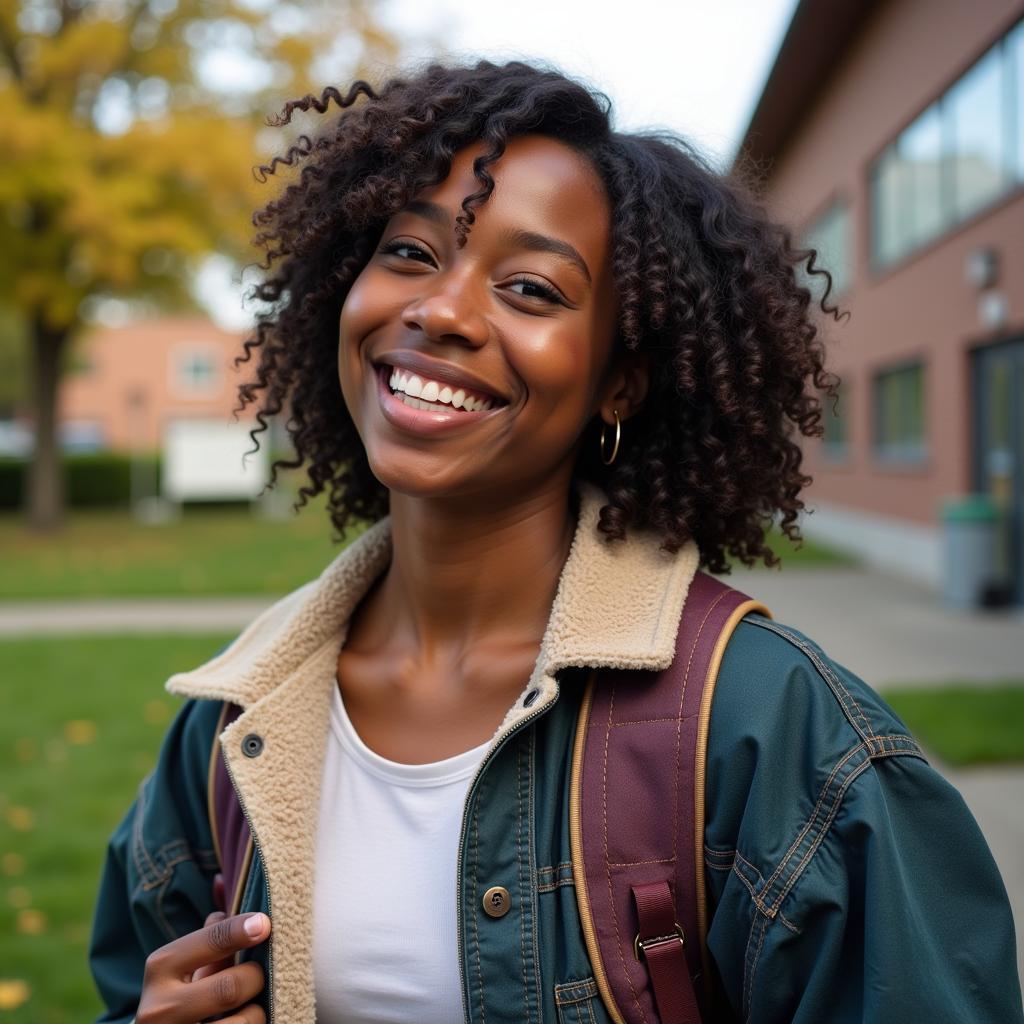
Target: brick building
{"points": [[130, 382], [892, 132]]}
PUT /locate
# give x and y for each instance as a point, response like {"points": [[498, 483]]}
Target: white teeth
{"points": [[428, 394]]}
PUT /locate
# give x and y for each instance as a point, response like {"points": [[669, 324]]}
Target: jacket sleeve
{"points": [[850, 882], [157, 881]]}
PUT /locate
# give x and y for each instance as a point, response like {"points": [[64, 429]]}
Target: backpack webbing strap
{"points": [[661, 944], [637, 816]]}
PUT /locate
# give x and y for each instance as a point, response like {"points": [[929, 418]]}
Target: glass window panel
{"points": [[914, 409], [829, 236], [977, 137], [1015, 54], [920, 149], [836, 423], [900, 414], [888, 236]]}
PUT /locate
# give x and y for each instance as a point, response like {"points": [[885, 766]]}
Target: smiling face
{"points": [[474, 371]]}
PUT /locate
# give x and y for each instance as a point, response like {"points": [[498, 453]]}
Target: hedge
{"points": [[102, 479]]}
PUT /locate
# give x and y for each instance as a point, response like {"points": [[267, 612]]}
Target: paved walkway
{"points": [[134, 615], [885, 629], [889, 630]]}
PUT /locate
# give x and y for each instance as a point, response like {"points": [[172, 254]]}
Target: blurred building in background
{"points": [[130, 383], [892, 135]]}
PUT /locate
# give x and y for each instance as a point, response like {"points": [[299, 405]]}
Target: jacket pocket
{"points": [[578, 1002]]}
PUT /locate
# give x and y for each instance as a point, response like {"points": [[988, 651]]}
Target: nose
{"points": [[449, 310]]}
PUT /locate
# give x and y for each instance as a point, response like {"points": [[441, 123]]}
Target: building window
{"points": [[961, 154], [195, 370], [829, 236], [1015, 48], [835, 419], [978, 141], [899, 410]]}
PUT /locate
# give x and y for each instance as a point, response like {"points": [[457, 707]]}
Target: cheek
{"points": [[562, 366], [356, 312]]}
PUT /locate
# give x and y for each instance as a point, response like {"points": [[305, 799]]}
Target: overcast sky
{"points": [[695, 66]]}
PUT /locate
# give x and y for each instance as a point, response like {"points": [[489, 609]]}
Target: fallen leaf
{"points": [[20, 818], [12, 863], [80, 731], [31, 922], [13, 992]]}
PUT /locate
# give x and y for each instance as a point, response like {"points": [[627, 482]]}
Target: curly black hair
{"points": [[707, 287]]}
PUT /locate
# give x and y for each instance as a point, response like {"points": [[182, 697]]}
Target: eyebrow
{"points": [[531, 240]]}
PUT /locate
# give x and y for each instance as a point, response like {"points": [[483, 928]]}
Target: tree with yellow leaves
{"points": [[131, 127]]}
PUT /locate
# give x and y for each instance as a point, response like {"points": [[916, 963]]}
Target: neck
{"points": [[460, 572]]}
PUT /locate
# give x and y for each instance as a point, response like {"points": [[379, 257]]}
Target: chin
{"points": [[412, 475]]}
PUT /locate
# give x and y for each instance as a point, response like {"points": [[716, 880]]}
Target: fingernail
{"points": [[254, 926]]}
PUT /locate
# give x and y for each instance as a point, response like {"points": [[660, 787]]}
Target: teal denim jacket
{"points": [[847, 881]]}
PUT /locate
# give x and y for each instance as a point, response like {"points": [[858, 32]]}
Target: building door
{"points": [[999, 465]]}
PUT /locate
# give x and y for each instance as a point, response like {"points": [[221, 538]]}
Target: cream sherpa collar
{"points": [[617, 605]]}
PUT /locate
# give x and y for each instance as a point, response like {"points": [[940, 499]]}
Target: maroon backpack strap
{"points": [[637, 809], [232, 840]]}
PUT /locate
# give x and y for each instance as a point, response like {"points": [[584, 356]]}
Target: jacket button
{"points": [[252, 745], [530, 698], [497, 901]]}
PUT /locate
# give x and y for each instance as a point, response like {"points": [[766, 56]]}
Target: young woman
{"points": [[572, 363]]}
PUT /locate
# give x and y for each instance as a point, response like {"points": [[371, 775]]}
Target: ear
{"points": [[626, 387]]}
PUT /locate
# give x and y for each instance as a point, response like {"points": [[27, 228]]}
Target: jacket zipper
{"points": [[470, 795], [266, 890]]}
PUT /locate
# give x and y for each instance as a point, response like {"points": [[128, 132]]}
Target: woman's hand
{"points": [[195, 978]]}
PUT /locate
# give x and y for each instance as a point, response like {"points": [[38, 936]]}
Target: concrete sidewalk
{"points": [[132, 615], [996, 799], [889, 630]]}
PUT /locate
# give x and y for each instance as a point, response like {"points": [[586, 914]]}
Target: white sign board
{"points": [[205, 460]]}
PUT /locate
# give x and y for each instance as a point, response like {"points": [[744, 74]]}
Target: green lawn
{"points": [[225, 550], [208, 551], [966, 725], [82, 722], [808, 554]]}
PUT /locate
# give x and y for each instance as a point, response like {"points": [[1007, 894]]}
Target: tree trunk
{"points": [[44, 508]]}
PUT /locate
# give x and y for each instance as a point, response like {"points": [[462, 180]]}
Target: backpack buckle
{"points": [[640, 945]]}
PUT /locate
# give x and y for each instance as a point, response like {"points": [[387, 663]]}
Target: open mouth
{"points": [[420, 392]]}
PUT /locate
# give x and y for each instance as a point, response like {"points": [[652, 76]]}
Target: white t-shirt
{"points": [[384, 923]]}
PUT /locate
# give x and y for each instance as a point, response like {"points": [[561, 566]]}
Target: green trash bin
{"points": [[970, 537]]}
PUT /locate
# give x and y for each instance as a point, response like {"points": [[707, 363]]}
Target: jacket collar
{"points": [[617, 605]]}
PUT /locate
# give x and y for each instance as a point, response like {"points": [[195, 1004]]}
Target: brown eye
{"points": [[532, 289], [407, 251]]}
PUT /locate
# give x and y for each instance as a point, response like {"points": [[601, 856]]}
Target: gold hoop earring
{"points": [[618, 436]]}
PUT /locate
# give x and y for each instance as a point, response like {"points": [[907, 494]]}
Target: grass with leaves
{"points": [[82, 723], [208, 551]]}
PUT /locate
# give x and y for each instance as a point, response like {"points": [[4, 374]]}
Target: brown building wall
{"points": [[906, 55], [132, 380]]}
